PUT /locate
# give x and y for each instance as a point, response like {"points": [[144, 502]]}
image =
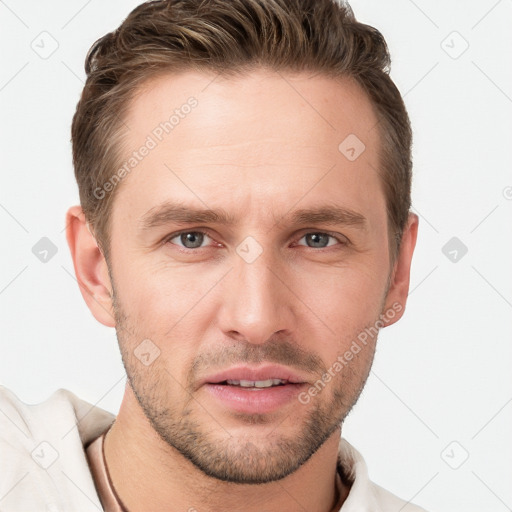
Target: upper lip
{"points": [[252, 373]]}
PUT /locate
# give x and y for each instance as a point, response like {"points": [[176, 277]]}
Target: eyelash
{"points": [[341, 241]]}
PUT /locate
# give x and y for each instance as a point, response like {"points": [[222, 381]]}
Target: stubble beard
{"points": [[241, 459]]}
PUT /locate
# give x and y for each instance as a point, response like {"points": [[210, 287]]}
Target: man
{"points": [[244, 174]]}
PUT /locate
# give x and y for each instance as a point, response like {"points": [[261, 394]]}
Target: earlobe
{"points": [[90, 267], [399, 285]]}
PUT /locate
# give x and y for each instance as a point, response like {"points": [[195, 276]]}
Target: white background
{"points": [[442, 374]]}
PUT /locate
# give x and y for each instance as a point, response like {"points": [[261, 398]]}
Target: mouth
{"points": [[255, 384], [260, 377], [252, 390]]}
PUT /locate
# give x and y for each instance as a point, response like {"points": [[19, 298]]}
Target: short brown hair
{"points": [[233, 37]]}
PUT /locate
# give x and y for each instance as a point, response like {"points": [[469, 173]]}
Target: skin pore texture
{"points": [[296, 294]]}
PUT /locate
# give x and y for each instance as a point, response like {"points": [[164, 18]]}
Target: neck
{"points": [[148, 474]]}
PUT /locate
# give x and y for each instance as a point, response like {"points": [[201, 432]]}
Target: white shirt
{"points": [[43, 463]]}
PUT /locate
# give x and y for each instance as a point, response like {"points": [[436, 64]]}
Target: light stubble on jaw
{"points": [[222, 456], [239, 460]]}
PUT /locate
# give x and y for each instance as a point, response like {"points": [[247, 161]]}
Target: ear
{"points": [[399, 284], [90, 267]]}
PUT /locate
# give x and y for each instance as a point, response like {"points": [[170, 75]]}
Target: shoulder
{"points": [[42, 450], [388, 502], [364, 494], [19, 420]]}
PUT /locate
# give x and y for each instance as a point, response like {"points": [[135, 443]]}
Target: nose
{"points": [[256, 301]]}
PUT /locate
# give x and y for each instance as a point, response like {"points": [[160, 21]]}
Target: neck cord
{"points": [[111, 485]]}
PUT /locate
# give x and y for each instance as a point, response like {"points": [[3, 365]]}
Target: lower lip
{"points": [[255, 400]]}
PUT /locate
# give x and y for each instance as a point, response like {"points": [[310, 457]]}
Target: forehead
{"points": [[266, 138], [258, 102]]}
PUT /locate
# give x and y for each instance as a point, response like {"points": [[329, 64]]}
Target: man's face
{"points": [[278, 292]]}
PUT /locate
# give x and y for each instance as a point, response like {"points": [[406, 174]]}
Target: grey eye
{"points": [[317, 239], [191, 239]]}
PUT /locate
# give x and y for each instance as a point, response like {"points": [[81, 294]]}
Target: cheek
{"points": [[168, 307], [161, 293], [347, 298], [344, 305]]}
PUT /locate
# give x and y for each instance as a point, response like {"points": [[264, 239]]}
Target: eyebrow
{"points": [[171, 212]]}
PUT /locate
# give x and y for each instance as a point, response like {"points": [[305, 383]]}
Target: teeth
{"points": [[263, 383], [256, 383]]}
